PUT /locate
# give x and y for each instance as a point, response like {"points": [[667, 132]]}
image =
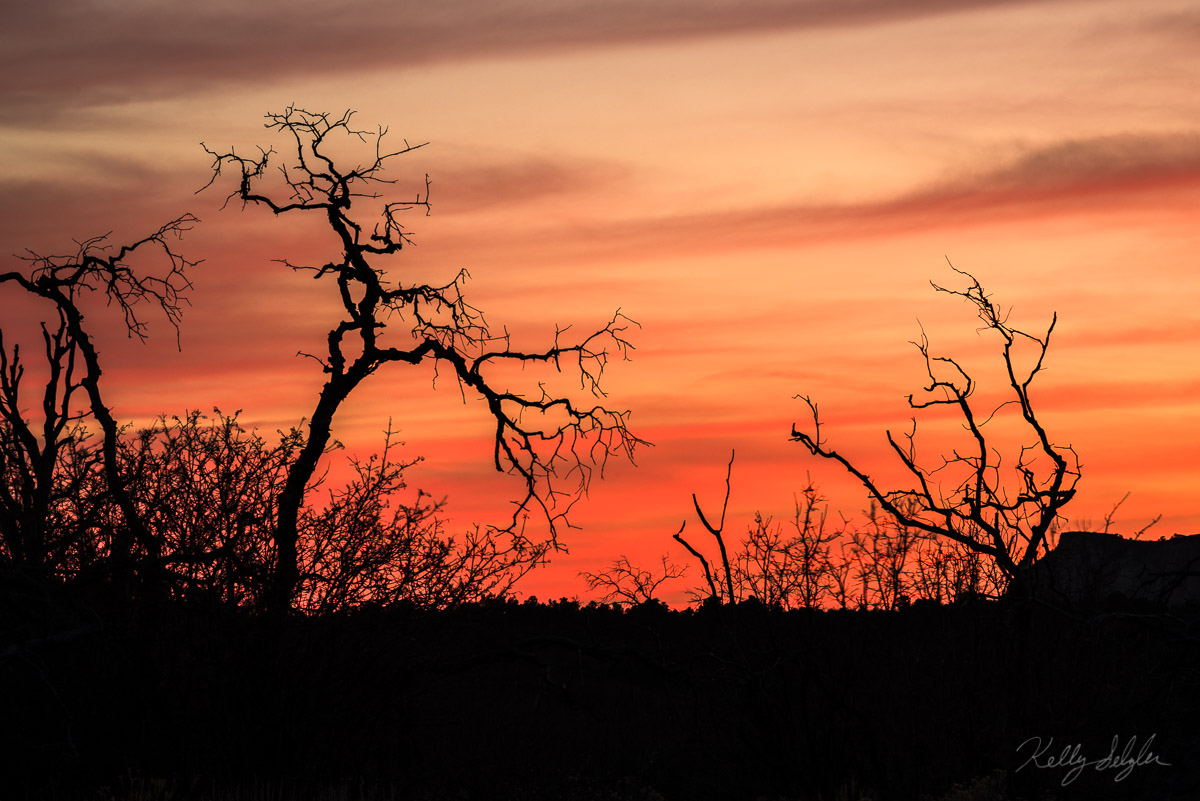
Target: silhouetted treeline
{"points": [[501, 699]]}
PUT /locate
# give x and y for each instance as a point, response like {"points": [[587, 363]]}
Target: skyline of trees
{"points": [[78, 498]]}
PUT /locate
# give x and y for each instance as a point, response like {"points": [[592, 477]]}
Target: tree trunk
{"points": [[285, 578]]}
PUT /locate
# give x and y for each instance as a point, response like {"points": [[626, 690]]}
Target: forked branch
{"points": [[543, 438], [1004, 513], [97, 267]]}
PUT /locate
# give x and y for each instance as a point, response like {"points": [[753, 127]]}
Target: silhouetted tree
{"points": [[538, 436], [365, 546], [946, 571], [207, 491], [880, 552], [724, 576], [628, 585], [792, 569], [31, 457], [839, 586], [810, 563], [966, 498], [73, 364]]}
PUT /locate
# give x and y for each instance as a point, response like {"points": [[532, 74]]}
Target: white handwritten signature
{"points": [[1121, 760]]}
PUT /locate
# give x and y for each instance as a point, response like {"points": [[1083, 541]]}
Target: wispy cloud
{"points": [[1056, 178], [1084, 165], [473, 187], [57, 57]]}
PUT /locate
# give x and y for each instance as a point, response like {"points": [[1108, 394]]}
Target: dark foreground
{"points": [[533, 701]]}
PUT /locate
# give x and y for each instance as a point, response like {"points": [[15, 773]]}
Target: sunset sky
{"points": [[767, 187]]}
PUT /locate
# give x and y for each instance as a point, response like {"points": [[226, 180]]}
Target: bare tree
{"points": [[841, 586], [366, 546], [74, 364], [30, 455], [946, 572], [763, 567], [539, 437], [878, 563], [1137, 535], [811, 548], [792, 569], [1002, 513], [787, 568], [207, 491], [724, 576], [881, 553], [628, 585]]}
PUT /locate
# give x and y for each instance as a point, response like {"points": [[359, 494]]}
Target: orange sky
{"points": [[767, 187]]}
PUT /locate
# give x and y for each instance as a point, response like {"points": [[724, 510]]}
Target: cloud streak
{"points": [[61, 56], [1087, 174], [481, 187]]}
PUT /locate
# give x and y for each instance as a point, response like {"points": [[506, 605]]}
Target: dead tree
{"points": [[880, 552], [725, 577], [970, 498], [792, 570], [31, 456], [628, 585], [74, 362], [539, 437]]}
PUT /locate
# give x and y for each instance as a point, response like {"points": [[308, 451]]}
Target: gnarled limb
{"points": [[542, 438], [63, 280], [1007, 521]]}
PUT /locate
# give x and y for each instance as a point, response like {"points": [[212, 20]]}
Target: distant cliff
{"points": [[1090, 567]]}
